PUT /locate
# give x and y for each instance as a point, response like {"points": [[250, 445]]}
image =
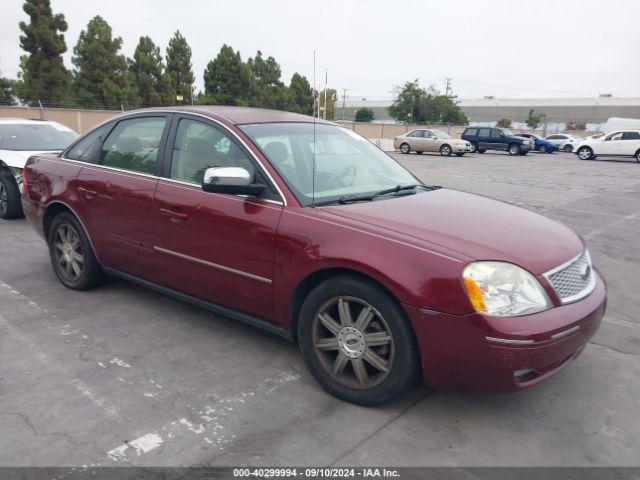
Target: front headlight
{"points": [[503, 289]]}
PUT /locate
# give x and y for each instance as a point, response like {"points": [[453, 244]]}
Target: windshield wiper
{"points": [[396, 189], [368, 198]]}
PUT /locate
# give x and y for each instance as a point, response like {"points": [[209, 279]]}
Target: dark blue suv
{"points": [[485, 138]]}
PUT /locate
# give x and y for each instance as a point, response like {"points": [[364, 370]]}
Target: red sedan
{"points": [[308, 230]]}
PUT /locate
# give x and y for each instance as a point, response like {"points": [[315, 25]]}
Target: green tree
{"points": [[301, 95], [267, 89], [534, 120], [100, 78], [415, 104], [179, 65], [227, 79], [6, 91], [332, 99], [150, 79], [504, 123], [364, 114], [43, 75]]}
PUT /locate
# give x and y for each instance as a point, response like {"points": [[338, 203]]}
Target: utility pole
{"points": [[447, 89], [344, 101]]}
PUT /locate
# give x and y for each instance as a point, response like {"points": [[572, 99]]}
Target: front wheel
{"points": [[585, 153], [513, 149], [459, 154], [10, 205], [357, 341], [637, 156], [474, 147], [405, 148], [71, 254], [445, 150]]}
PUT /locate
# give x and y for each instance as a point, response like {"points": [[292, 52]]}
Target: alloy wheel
{"points": [[445, 150], [67, 252], [514, 149], [404, 148], [584, 154], [542, 149], [4, 200], [353, 342]]}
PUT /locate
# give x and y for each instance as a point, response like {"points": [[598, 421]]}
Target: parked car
{"points": [[564, 141], [540, 144], [19, 139], [308, 230], [620, 143], [485, 138], [427, 140]]}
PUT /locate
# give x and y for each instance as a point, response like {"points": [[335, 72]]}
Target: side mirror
{"points": [[231, 180]]}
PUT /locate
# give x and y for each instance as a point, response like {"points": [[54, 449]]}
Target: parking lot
{"points": [[124, 376]]}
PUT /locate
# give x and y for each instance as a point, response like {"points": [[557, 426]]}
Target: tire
{"points": [[459, 154], [474, 147], [567, 148], [637, 156], [585, 153], [445, 150], [405, 148], [69, 246], [542, 149], [419, 152], [523, 153], [10, 203], [481, 150], [513, 149], [333, 341]]}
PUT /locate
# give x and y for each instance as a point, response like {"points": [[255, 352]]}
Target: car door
{"points": [[430, 141], [484, 139], [217, 247], [115, 194], [610, 145], [630, 143], [415, 140]]}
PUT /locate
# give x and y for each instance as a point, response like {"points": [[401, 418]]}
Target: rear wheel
{"points": [[523, 152], [474, 147], [513, 149], [585, 153], [419, 152], [459, 154], [405, 148], [481, 150], [445, 150], [10, 206], [71, 254], [357, 341], [637, 156]]}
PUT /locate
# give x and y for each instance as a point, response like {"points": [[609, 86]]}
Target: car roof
{"points": [[242, 115]]}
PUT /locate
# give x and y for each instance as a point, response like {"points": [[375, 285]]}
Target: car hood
{"points": [[18, 158], [474, 226]]}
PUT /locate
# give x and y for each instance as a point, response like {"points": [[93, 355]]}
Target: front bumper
{"points": [[489, 354], [461, 148]]}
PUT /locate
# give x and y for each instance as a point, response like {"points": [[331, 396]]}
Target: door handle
{"points": [[175, 217], [86, 193]]}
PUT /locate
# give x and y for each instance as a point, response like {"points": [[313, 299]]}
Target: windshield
{"points": [[31, 136], [441, 134], [346, 163]]}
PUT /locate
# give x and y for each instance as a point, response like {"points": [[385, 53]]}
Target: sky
{"points": [[509, 49]]}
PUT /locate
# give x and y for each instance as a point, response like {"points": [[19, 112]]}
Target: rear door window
{"points": [[485, 132], [134, 144]]}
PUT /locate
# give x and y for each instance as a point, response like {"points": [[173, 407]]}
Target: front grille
{"points": [[573, 280]]}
